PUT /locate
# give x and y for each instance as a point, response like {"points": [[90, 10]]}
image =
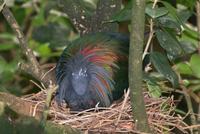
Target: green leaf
{"points": [[194, 81], [181, 17], [52, 33], [195, 64], [7, 36], [5, 47], [161, 64], [39, 19], [188, 3], [189, 35], [195, 88], [44, 50], [124, 14], [184, 15], [155, 12], [2, 65], [168, 22], [169, 42], [186, 82], [184, 68], [188, 47], [6, 76], [7, 70], [154, 89], [48, 7], [19, 13], [172, 11]]}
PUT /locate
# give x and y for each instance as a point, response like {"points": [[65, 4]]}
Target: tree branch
{"points": [[77, 14], [17, 111], [32, 67], [20, 106], [90, 23], [135, 65], [23, 43], [105, 10], [190, 109], [50, 92]]}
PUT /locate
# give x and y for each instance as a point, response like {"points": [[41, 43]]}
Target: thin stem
{"points": [[149, 39], [23, 42], [50, 91], [150, 34], [190, 108], [32, 67]]}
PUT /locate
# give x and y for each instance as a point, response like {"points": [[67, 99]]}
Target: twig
{"points": [[42, 89], [149, 40], [192, 127], [105, 118], [50, 91], [123, 105], [2, 4], [190, 108], [32, 67], [48, 72], [23, 42], [150, 35], [48, 65], [35, 108]]}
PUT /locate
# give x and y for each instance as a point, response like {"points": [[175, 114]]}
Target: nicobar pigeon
{"points": [[93, 70]]}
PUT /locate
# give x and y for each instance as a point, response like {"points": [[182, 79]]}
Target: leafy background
{"points": [[174, 47]]}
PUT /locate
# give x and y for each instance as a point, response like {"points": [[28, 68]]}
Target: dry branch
{"points": [[20, 106], [18, 121], [32, 67]]}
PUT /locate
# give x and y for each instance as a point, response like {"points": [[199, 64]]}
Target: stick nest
{"points": [[116, 118]]}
